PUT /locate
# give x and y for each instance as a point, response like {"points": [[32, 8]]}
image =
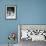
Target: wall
{"points": [[28, 12]]}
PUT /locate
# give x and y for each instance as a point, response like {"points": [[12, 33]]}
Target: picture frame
{"points": [[10, 12], [36, 32]]}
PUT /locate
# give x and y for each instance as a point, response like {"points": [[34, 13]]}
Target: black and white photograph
{"points": [[11, 12]]}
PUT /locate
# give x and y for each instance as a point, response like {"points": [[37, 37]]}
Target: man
{"points": [[10, 11]]}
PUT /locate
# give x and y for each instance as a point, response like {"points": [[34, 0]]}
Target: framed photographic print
{"points": [[33, 32], [10, 11]]}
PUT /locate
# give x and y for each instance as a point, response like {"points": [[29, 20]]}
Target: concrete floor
{"points": [[32, 43], [28, 43], [7, 45]]}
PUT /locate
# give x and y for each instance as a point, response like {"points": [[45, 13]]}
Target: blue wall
{"points": [[28, 12]]}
